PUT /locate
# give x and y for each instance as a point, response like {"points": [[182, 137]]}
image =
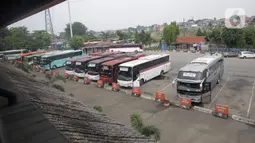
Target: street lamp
{"points": [[70, 20]]}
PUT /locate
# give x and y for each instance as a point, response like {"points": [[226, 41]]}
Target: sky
{"points": [[102, 15]]}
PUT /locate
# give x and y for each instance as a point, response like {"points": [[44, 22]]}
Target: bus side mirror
{"points": [[207, 86]]}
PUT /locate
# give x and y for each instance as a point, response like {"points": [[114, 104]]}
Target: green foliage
{"points": [[241, 40], [151, 130], [170, 33], [137, 124], [98, 108], [76, 42], [19, 37], [78, 29], [143, 37], [25, 67], [200, 33], [121, 35]]}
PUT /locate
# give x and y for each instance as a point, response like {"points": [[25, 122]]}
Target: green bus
{"points": [[53, 61]]}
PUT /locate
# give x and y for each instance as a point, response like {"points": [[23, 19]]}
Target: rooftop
{"points": [[79, 58], [190, 39], [117, 61], [47, 115], [88, 58], [105, 59]]}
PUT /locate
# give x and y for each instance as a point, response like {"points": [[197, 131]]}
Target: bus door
{"points": [[114, 73]]}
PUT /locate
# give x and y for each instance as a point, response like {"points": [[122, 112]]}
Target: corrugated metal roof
{"points": [[118, 61]]}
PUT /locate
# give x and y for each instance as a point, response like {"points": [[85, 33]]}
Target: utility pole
{"points": [[70, 20]]}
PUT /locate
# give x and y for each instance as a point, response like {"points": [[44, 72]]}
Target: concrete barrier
{"points": [[244, 119], [204, 110]]}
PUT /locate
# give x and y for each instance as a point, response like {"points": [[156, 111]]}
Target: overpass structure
{"points": [[15, 10]]}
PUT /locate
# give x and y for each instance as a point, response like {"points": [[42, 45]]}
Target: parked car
{"points": [[246, 54], [230, 54]]}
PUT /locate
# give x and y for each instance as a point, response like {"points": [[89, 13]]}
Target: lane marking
{"points": [[252, 93], [219, 92], [166, 87]]}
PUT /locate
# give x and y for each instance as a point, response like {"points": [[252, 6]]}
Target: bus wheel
{"points": [[141, 82], [161, 73], [136, 51], [54, 67]]}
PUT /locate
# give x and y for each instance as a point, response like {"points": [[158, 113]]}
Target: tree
{"points": [[241, 40], [121, 35], [253, 40], [199, 32], [137, 37], [42, 39], [170, 33], [76, 42], [229, 37], [78, 29]]}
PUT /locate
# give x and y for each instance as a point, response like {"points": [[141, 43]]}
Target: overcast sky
{"points": [[117, 14]]}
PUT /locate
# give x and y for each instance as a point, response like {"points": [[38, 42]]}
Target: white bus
{"points": [[135, 73], [127, 48], [193, 78]]}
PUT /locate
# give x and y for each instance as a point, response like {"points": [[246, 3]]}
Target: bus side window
{"points": [[205, 72], [135, 73]]}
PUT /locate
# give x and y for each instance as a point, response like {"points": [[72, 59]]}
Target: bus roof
{"points": [[143, 60], [98, 61], [153, 57], [200, 64], [34, 55], [59, 53], [89, 58], [194, 67], [118, 61], [207, 59], [75, 59]]}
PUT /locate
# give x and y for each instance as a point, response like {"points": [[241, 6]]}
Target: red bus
{"points": [[94, 67], [81, 68], [109, 69]]}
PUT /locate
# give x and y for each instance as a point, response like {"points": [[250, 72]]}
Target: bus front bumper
{"points": [[70, 72], [125, 83], [196, 98], [93, 77], [80, 75]]}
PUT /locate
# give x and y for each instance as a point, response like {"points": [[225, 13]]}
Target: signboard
{"points": [[160, 97], [189, 74], [105, 68], [136, 91], [78, 63], [221, 111], [123, 69], [91, 65], [115, 86], [185, 102]]}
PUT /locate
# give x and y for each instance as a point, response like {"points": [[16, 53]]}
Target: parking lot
{"points": [[235, 89]]}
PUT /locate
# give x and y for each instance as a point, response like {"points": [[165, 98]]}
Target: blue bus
{"points": [[53, 61]]}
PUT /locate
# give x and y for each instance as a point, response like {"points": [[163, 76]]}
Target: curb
{"points": [[202, 109], [243, 119]]}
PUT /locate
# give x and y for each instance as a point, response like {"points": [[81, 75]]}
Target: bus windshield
{"points": [[45, 61], [106, 71], [80, 67], [190, 75], [93, 68], [125, 73]]}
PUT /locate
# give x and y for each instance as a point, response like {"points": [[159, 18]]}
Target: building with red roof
{"points": [[188, 42]]}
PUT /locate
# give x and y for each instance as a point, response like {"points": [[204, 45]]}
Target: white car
{"points": [[246, 54]]}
